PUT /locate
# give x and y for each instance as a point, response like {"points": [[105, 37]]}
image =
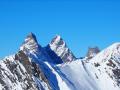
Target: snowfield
{"points": [[75, 75]]}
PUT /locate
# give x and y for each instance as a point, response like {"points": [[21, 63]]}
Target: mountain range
{"points": [[55, 67]]}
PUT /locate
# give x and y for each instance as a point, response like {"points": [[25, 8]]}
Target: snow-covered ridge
{"points": [[106, 67], [106, 54]]}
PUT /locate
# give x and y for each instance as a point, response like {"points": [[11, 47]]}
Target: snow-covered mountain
{"points": [[54, 67]]}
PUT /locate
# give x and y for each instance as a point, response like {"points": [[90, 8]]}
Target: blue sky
{"points": [[81, 23]]}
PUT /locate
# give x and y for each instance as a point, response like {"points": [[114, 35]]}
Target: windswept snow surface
{"points": [[95, 74], [76, 77], [57, 81]]}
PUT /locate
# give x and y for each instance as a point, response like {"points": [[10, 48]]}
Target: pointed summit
{"points": [[59, 47], [30, 44], [31, 36], [57, 40], [92, 51]]}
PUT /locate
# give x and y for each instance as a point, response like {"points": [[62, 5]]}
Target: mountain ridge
{"points": [[54, 67]]}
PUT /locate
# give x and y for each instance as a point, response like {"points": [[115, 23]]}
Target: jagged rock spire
{"points": [[59, 46], [30, 44], [92, 51], [32, 36], [57, 40]]}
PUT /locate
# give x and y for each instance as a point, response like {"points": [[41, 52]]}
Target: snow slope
{"points": [[106, 68], [100, 73], [75, 75]]}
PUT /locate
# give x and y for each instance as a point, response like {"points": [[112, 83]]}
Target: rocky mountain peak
{"points": [[30, 43], [92, 51], [31, 36], [59, 47], [57, 40]]}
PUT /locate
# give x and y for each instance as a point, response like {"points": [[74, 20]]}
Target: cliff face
{"points": [[59, 47], [19, 72]]}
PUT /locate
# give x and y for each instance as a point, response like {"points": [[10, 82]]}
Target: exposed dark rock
{"points": [[96, 75], [117, 75], [96, 64], [92, 52], [24, 60], [37, 72], [32, 68], [110, 63]]}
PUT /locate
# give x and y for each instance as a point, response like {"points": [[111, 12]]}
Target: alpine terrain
{"points": [[54, 67]]}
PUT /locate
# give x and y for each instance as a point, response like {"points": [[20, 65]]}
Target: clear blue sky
{"points": [[81, 23]]}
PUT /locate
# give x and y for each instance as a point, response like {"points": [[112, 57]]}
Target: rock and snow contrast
{"points": [[60, 48], [54, 67], [92, 52]]}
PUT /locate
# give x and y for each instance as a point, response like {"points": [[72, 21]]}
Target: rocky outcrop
{"points": [[13, 76], [92, 52], [59, 47], [30, 44], [32, 68], [19, 72]]}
